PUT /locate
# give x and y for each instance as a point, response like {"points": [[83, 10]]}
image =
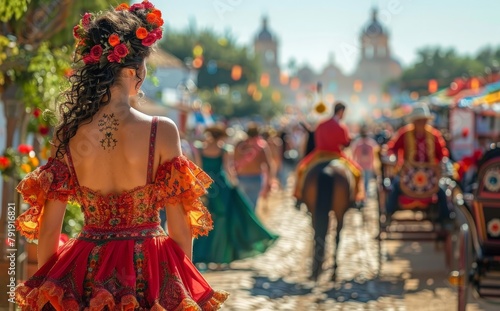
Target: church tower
{"points": [[375, 40], [376, 66], [266, 49]]}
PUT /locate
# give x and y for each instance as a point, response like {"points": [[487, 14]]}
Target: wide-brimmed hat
{"points": [[420, 112]]}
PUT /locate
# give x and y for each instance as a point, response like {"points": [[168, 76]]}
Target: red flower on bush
{"points": [[43, 129], [4, 162], [68, 72], [37, 112], [24, 148]]}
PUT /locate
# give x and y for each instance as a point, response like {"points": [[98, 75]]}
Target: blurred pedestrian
{"points": [[237, 232], [363, 152], [252, 160]]}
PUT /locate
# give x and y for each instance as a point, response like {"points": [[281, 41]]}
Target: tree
{"points": [[444, 65], [217, 58]]}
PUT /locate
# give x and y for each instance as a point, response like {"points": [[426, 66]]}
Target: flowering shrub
{"points": [[17, 163]]}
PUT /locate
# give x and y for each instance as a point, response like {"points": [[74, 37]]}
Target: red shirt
{"points": [[397, 144], [331, 136]]}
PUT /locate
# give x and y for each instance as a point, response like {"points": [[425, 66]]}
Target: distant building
{"points": [[172, 96], [375, 67], [364, 88], [266, 49]]}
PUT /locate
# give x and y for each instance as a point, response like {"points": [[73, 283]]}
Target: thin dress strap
{"points": [[152, 143], [71, 166]]}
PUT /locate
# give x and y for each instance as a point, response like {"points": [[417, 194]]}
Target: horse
{"points": [[328, 186]]}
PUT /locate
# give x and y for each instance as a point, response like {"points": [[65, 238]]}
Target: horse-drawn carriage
{"points": [[479, 236], [416, 218]]}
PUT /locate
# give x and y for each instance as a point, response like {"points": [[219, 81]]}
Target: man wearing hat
{"points": [[418, 142]]}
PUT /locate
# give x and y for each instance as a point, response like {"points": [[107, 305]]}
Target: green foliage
{"points": [[16, 164], [237, 102], [73, 220], [222, 50], [75, 12], [12, 9], [445, 65], [44, 78], [227, 97]]}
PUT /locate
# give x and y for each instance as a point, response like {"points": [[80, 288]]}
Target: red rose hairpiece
{"points": [[115, 48]]}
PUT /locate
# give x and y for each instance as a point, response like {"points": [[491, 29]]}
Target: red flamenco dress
{"points": [[122, 259]]}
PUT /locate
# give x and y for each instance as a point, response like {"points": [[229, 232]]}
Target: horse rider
{"points": [[421, 143], [330, 138]]}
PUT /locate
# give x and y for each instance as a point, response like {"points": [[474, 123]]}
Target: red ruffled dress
{"points": [[122, 259]]}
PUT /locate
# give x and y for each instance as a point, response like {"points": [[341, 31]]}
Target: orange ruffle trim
{"points": [[182, 181], [51, 181], [35, 299]]}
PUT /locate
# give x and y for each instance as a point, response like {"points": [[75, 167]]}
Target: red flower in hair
{"points": [[122, 7], [121, 50], [141, 33], [136, 6], [152, 19], [24, 148], [96, 52], [147, 5], [88, 59], [113, 58], [156, 12], [76, 31], [158, 33], [114, 40], [86, 20], [149, 40]]}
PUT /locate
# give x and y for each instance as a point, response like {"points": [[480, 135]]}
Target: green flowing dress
{"points": [[237, 232]]}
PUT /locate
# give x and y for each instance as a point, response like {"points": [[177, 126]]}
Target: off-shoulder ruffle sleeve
{"points": [[51, 181], [181, 181]]}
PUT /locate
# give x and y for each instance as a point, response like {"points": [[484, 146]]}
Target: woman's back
{"points": [[112, 160], [115, 159]]}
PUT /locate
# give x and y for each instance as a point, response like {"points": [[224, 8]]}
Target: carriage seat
{"points": [[408, 202]]}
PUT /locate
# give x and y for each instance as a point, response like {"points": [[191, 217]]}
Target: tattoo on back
{"points": [[107, 125]]}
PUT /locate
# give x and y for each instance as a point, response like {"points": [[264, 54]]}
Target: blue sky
{"points": [[311, 30]]}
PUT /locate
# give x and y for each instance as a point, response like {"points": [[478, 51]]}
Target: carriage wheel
{"points": [[460, 277]]}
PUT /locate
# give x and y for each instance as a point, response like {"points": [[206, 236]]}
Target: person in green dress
{"points": [[237, 233]]}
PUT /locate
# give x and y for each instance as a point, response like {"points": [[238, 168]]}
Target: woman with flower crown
{"points": [[105, 157]]}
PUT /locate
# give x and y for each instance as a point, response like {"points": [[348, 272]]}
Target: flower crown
{"points": [[115, 48]]}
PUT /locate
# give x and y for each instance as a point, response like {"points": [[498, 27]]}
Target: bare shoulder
{"points": [[167, 139]]}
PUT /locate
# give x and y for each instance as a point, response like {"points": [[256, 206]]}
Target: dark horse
{"points": [[328, 186]]}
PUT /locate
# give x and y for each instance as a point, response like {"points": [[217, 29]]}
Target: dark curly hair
{"points": [[91, 82]]}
